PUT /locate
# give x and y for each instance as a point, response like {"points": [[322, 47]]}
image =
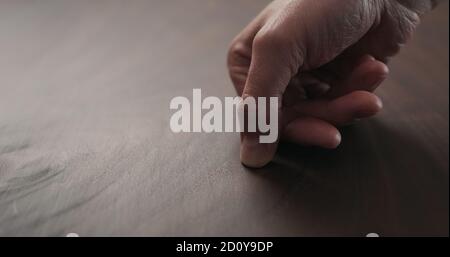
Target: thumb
{"points": [[270, 72]]}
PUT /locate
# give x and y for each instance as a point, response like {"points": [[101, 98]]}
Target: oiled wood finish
{"points": [[85, 144]]}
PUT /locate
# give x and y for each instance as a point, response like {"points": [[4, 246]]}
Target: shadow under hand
{"points": [[381, 180]]}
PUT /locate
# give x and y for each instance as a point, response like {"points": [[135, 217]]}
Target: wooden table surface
{"points": [[86, 148]]}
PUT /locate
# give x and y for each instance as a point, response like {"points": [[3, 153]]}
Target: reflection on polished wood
{"points": [[85, 144]]}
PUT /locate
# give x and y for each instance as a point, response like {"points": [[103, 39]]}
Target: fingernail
{"points": [[255, 154], [338, 139], [365, 58], [372, 108], [379, 103], [335, 142], [318, 90]]}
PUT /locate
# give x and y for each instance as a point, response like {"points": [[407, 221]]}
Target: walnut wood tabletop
{"points": [[86, 148]]}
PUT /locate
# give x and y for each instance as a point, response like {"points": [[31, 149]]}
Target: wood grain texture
{"points": [[85, 144]]}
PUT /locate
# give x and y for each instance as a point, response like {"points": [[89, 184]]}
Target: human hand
{"points": [[341, 45]]}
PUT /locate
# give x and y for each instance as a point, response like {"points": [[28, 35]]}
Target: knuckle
{"points": [[406, 22], [238, 53], [279, 48], [236, 48], [270, 41]]}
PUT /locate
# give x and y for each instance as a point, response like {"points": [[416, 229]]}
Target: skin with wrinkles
{"points": [[323, 59]]}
